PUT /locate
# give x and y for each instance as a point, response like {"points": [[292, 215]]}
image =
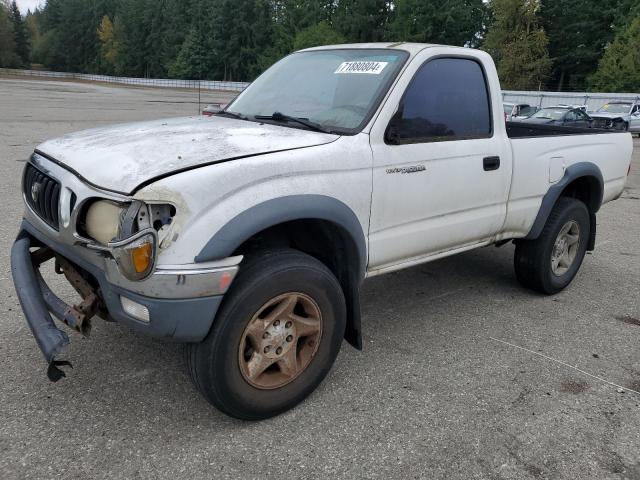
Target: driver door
{"points": [[441, 173]]}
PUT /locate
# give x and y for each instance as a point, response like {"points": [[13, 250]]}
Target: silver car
{"points": [[619, 116], [514, 112]]}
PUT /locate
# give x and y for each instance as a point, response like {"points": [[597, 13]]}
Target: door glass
{"points": [[447, 99]]}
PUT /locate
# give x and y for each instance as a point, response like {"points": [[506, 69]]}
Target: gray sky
{"points": [[24, 5]]}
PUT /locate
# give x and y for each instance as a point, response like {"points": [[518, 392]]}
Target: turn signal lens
{"points": [[135, 257], [141, 257]]}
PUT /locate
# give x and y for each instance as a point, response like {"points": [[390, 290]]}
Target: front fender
{"points": [[283, 209]]}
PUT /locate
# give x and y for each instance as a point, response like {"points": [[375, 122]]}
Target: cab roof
{"points": [[412, 48]]}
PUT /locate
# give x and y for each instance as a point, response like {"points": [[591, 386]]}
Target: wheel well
{"points": [[329, 243], [586, 189]]}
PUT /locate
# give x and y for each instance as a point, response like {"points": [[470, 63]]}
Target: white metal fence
{"points": [[142, 82], [542, 99]]}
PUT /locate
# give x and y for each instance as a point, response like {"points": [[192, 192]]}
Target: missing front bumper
{"points": [[185, 314], [39, 302]]}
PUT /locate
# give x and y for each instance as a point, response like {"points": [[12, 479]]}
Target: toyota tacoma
{"points": [[247, 234]]}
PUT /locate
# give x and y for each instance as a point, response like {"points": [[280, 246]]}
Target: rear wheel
{"points": [[275, 338], [549, 263]]}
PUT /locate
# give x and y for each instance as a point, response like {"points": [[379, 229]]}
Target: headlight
{"points": [[130, 232], [102, 220], [136, 256]]}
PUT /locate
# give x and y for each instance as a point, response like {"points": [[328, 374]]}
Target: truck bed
{"points": [[525, 130], [538, 164]]}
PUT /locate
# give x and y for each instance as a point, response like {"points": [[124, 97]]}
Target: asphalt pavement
{"points": [[464, 374]]}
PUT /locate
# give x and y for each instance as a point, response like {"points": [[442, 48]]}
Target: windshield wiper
{"points": [[231, 114], [281, 117]]}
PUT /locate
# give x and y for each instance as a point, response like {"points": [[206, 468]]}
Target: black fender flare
{"points": [[283, 209], [578, 170], [298, 207]]}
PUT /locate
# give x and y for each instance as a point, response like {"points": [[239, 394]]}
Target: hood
{"points": [[608, 115], [121, 157]]}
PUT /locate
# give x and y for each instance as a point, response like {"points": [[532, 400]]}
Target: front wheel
{"points": [[549, 263], [275, 338]]}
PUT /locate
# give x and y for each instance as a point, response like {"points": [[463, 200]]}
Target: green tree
{"points": [[33, 29], [619, 68], [193, 60], [318, 34], [70, 34], [20, 36], [578, 32], [108, 43], [241, 31], [450, 22], [518, 44], [7, 44], [362, 20]]}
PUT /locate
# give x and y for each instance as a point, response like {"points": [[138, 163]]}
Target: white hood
{"points": [[121, 157]]}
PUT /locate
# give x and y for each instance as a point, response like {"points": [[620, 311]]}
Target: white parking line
{"points": [[566, 365]]}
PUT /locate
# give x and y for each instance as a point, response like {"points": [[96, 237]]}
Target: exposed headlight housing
{"points": [[130, 232]]}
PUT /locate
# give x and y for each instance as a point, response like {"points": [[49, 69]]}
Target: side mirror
{"points": [[392, 134]]}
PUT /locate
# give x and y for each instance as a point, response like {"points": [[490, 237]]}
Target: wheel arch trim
{"points": [[587, 170], [280, 210]]}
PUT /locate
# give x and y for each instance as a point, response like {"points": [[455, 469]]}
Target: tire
{"points": [[621, 125], [220, 365], [533, 258]]}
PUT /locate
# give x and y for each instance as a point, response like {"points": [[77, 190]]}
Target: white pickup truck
{"points": [[248, 234]]}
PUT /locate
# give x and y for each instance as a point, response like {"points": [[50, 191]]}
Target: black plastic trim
{"points": [[279, 210], [573, 172]]}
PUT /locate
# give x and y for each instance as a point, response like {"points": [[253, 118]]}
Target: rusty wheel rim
{"points": [[280, 340], [565, 248]]}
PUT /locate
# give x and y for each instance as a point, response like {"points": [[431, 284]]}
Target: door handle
{"points": [[491, 163]]}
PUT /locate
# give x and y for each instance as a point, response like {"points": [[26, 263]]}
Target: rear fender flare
{"points": [[577, 170]]}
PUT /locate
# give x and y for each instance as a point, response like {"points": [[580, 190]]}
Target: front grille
{"points": [[42, 194]]}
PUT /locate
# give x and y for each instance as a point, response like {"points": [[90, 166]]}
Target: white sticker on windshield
{"points": [[362, 66]]}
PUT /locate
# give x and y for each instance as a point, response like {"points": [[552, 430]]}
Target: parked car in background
{"points": [[579, 107], [213, 108], [517, 111], [562, 115], [618, 116]]}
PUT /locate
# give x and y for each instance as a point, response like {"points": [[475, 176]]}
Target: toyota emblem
{"points": [[35, 191]]}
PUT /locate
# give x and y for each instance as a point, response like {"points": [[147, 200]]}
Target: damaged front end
{"points": [[113, 249], [39, 302]]}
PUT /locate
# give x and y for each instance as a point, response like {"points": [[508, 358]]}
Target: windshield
{"points": [[616, 108], [551, 113], [335, 89]]}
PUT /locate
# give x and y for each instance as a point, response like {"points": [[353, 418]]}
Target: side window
{"points": [[636, 109], [570, 116], [448, 99]]}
